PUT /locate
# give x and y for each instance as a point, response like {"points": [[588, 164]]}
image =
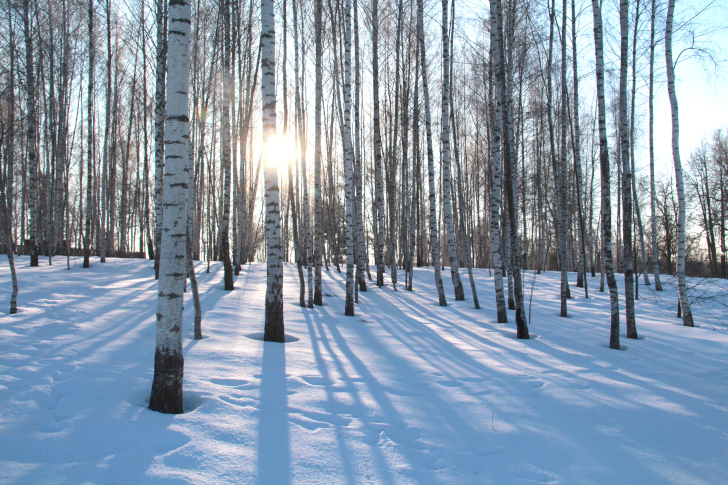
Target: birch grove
{"points": [[515, 177]]}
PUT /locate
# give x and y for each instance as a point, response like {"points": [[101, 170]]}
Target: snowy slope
{"points": [[405, 392]]}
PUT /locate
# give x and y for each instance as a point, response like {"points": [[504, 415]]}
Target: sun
{"points": [[279, 149]]}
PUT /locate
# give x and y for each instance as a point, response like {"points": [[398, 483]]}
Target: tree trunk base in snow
{"points": [[167, 384], [521, 326], [274, 330], [614, 332], [502, 316], [229, 286]]}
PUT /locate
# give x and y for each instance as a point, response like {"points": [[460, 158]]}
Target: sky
{"points": [[701, 85], [703, 108]]}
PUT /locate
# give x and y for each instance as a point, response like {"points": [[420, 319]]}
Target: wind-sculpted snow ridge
{"points": [[405, 392]]}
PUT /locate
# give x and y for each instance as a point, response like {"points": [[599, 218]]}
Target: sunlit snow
{"points": [[405, 392]]}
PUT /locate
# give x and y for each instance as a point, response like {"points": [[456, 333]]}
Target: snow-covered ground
{"points": [[405, 392]]}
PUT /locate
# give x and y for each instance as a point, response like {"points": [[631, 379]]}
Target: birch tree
{"points": [[305, 206], [606, 210], [227, 100], [509, 163], [393, 157], [434, 238], [445, 140], [361, 251], [635, 198], [159, 113], [577, 162], [653, 198], [628, 258], [317, 201], [90, 134], [191, 193], [6, 196], [274, 329], [497, 131], [166, 394], [348, 164], [561, 170], [31, 134], [412, 230], [379, 183], [687, 314]]}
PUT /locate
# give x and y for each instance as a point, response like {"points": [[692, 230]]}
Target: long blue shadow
{"points": [[274, 461]]}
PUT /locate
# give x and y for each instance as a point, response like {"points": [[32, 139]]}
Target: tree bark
{"points": [[379, 183], [361, 251], [561, 171], [434, 238], [348, 163], [626, 172], [159, 113], [446, 175], [653, 198], [497, 133], [577, 162], [606, 215], [90, 134], [226, 148], [317, 201], [31, 135], [166, 394], [687, 313], [274, 329]]}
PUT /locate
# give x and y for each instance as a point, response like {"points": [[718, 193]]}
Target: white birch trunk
{"points": [[561, 170], [434, 238], [415, 174], [6, 198], [636, 200], [317, 201], [653, 197], [510, 165], [90, 140], [606, 213], [497, 132], [445, 139], [31, 135], [226, 148], [305, 206], [361, 252], [191, 195], [687, 314], [577, 162], [348, 165], [274, 329], [626, 172], [378, 177], [166, 394], [159, 113]]}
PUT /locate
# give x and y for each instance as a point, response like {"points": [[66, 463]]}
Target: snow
{"points": [[405, 392]]}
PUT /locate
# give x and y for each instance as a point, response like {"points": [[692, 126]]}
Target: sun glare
{"points": [[279, 149]]}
